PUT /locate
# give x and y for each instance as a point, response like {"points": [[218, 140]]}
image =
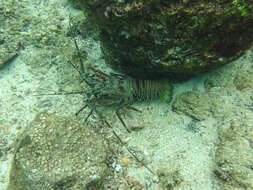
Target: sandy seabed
{"points": [[174, 144]]}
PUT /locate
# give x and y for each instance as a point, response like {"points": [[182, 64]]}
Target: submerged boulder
{"points": [[177, 39], [57, 153]]}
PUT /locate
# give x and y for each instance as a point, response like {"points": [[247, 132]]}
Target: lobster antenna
{"points": [[82, 73]]}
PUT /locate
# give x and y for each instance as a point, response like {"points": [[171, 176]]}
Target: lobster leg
{"points": [[91, 111], [129, 150], [121, 120], [81, 110], [133, 108]]}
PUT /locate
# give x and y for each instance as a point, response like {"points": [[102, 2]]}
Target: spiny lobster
{"points": [[118, 90], [105, 89]]}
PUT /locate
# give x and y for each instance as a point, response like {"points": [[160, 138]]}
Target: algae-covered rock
{"points": [[211, 83], [179, 39], [76, 3], [244, 80], [170, 179], [195, 105], [57, 153], [234, 156]]}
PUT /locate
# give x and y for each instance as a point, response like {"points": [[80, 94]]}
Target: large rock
{"points": [[234, 156], [178, 39], [57, 153]]}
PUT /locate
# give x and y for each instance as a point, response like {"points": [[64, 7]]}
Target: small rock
{"points": [[243, 80], [7, 59], [195, 105]]}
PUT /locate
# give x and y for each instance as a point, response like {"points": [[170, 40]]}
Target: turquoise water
{"points": [[200, 140]]}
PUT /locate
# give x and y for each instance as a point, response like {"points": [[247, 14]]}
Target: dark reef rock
{"points": [[178, 39]]}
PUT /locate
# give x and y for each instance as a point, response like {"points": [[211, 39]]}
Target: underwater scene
{"points": [[126, 95]]}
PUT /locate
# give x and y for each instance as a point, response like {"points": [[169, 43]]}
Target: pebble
{"points": [[116, 167], [5, 130], [155, 178]]}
